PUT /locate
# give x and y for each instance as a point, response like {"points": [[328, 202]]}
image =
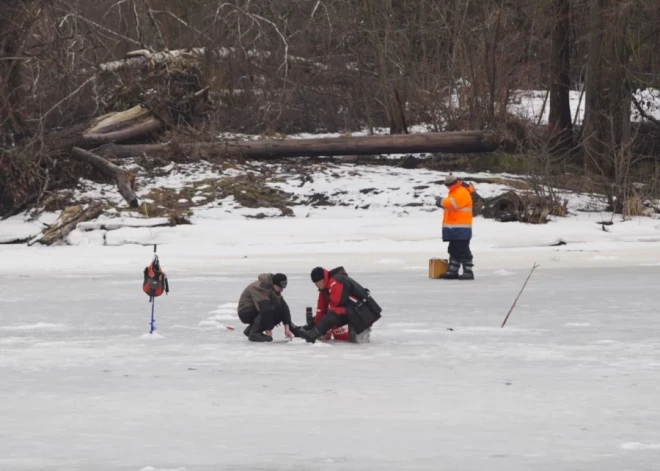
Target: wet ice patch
{"points": [[640, 446], [37, 326]]}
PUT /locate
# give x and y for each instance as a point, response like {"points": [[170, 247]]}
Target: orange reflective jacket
{"points": [[457, 221]]}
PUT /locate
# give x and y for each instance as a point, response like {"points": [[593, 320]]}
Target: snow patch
{"points": [[640, 446], [37, 326], [503, 272], [154, 336], [223, 316], [13, 340]]}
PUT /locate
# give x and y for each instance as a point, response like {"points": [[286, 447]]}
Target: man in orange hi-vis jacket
{"points": [[457, 227]]}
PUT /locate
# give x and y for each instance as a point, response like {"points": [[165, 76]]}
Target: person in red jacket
{"points": [[341, 332], [339, 294]]}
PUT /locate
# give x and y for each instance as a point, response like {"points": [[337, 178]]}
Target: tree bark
{"points": [[12, 122], [121, 176], [607, 102], [560, 124], [448, 142]]}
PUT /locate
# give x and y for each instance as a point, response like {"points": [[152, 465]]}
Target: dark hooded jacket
{"points": [[262, 297]]}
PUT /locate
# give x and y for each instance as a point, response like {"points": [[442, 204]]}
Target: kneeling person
{"points": [[342, 302], [262, 307]]}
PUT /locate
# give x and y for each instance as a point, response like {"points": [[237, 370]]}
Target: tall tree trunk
{"points": [[607, 103], [392, 86], [560, 109], [12, 122]]}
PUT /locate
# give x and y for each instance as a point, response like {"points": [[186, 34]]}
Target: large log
{"points": [[143, 58], [67, 222], [121, 176], [445, 142], [121, 126]]}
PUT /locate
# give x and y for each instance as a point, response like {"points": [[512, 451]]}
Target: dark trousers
{"points": [[460, 250], [249, 316], [280, 313], [330, 321]]}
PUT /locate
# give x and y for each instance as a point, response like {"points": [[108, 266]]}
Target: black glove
{"points": [[438, 201]]}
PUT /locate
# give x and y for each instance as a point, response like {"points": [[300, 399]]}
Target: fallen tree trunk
{"points": [[112, 225], [121, 126], [121, 176], [446, 142], [67, 222], [143, 58]]}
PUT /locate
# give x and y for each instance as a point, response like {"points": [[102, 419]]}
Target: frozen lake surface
{"points": [[570, 383]]}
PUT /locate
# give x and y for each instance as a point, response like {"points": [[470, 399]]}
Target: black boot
{"points": [[295, 330], [452, 272], [247, 330], [310, 335], [257, 332], [468, 274]]}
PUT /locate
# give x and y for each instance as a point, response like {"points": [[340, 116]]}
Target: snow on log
{"points": [[144, 58], [67, 222], [445, 142], [114, 224], [121, 176]]}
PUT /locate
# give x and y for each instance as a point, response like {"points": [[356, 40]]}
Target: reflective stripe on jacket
{"points": [[457, 221]]}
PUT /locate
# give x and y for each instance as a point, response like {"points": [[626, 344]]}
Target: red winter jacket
{"points": [[330, 297]]}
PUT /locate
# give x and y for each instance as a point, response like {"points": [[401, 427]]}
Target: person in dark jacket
{"points": [[262, 307], [342, 301]]}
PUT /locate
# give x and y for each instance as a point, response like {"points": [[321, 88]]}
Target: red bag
{"points": [[155, 281]]}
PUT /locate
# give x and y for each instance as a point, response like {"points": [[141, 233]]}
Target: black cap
{"points": [[318, 274], [279, 279]]}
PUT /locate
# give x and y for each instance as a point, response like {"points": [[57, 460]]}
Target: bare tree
{"points": [[559, 122]]}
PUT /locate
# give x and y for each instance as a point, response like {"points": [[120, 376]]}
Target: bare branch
{"points": [[69, 96], [154, 23], [102, 28], [192, 28]]}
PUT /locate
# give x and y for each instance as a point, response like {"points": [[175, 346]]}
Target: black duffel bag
{"points": [[363, 314]]}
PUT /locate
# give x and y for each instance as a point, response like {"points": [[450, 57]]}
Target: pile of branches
{"points": [[520, 207]]}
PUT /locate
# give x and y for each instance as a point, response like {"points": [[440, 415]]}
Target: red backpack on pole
{"points": [[155, 284]]}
